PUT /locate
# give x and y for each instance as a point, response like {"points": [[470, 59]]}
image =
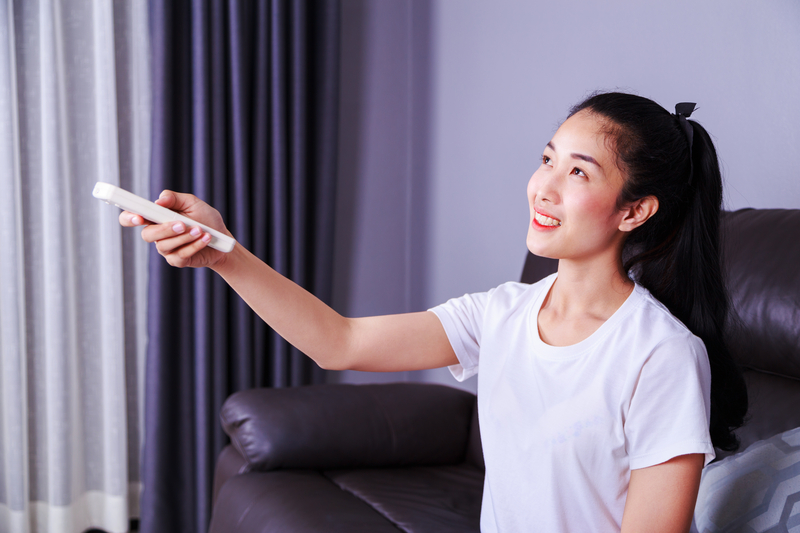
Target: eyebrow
{"points": [[582, 157]]}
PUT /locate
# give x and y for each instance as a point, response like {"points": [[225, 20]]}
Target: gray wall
{"points": [[446, 106]]}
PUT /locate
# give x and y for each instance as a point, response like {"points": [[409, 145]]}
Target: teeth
{"points": [[545, 221]]}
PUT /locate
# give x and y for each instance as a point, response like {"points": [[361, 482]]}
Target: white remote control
{"points": [[156, 213]]}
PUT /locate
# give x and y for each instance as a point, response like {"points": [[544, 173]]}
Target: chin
{"points": [[539, 250]]}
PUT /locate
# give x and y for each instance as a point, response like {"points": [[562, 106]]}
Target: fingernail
{"points": [[207, 237], [134, 219], [196, 232], [163, 194], [178, 228]]}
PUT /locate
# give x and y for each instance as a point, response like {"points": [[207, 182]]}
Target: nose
{"points": [[543, 186]]}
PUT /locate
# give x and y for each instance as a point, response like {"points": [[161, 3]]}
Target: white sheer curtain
{"points": [[74, 109]]}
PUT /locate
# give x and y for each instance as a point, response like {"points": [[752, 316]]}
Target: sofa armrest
{"points": [[349, 426], [229, 463]]}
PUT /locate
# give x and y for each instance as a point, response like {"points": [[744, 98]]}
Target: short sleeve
{"points": [[670, 407], [462, 319]]}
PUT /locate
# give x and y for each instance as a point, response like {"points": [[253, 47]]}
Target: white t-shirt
{"points": [[562, 427]]}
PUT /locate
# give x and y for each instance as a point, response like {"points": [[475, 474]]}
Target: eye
{"points": [[546, 160], [578, 172]]}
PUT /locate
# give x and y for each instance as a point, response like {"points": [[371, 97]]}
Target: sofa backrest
{"points": [[761, 255], [761, 259]]}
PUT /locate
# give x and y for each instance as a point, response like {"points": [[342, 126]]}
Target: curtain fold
{"points": [[74, 109], [244, 116]]}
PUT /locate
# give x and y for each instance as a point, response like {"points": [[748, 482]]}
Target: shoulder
{"points": [[507, 294], [662, 336], [513, 290], [662, 323], [505, 299], [514, 297]]}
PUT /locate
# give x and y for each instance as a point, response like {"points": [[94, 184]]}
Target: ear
{"points": [[637, 213]]}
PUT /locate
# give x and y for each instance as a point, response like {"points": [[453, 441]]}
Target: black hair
{"points": [[676, 253]]}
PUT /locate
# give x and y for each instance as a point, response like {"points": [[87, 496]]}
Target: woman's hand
{"points": [[182, 246]]}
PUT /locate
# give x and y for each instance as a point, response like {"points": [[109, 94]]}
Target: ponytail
{"points": [[676, 254], [695, 292]]}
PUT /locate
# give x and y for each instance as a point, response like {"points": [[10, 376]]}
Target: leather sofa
{"points": [[408, 457]]}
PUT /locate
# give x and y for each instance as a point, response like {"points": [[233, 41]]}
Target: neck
{"points": [[596, 288]]}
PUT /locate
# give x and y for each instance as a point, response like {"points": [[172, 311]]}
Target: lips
{"points": [[544, 220]]}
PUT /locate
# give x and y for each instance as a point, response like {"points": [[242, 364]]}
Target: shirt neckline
{"points": [[573, 351]]}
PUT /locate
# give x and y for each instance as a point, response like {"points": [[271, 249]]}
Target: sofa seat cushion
{"points": [[420, 499], [297, 501]]}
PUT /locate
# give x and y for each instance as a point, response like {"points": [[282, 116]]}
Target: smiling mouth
{"points": [[545, 220]]}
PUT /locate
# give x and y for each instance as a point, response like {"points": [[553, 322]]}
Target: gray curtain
{"points": [[244, 116], [74, 109]]}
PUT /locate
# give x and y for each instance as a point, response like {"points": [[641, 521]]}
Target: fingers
{"points": [[176, 201], [167, 230], [176, 242], [128, 219], [171, 235], [182, 256], [166, 199]]}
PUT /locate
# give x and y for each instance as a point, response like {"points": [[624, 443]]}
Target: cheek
{"points": [[598, 209], [591, 205]]}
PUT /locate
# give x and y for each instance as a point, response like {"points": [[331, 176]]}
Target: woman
{"points": [[600, 398]]}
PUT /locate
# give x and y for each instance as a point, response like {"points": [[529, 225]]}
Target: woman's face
{"points": [[573, 195]]}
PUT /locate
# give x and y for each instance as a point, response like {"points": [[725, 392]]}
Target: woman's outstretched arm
{"points": [[410, 341]]}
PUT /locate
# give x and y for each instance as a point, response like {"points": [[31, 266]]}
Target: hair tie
{"points": [[683, 111]]}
